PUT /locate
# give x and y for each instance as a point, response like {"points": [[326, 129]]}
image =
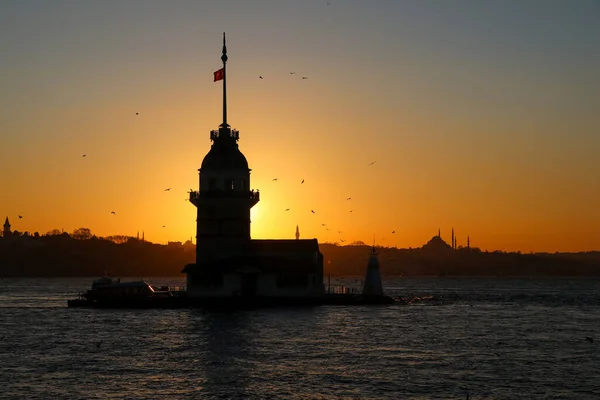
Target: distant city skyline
{"points": [[477, 117]]}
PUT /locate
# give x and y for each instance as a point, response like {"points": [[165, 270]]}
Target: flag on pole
{"points": [[220, 74]]}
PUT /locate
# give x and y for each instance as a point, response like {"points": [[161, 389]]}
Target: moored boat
{"points": [[108, 292]]}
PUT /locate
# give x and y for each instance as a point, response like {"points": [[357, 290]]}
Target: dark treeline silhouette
{"points": [[437, 258], [60, 254], [80, 253]]}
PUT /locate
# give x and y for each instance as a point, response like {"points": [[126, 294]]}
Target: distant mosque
{"points": [[228, 262], [437, 244]]}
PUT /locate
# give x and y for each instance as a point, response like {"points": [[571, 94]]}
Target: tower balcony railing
{"points": [[232, 133], [253, 195]]}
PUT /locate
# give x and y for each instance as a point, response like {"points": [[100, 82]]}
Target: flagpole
{"points": [[224, 59]]}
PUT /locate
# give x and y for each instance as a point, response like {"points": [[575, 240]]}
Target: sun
{"points": [[255, 219]]}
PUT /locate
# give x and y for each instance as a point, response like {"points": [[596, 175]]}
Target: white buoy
{"points": [[373, 286]]}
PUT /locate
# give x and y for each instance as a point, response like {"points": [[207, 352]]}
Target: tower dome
{"points": [[224, 158]]}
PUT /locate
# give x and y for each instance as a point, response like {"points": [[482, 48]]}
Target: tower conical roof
{"points": [[224, 157]]}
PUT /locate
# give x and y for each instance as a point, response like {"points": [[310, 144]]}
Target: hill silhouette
{"points": [[60, 254]]}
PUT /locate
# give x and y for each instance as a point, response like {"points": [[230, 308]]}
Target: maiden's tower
{"points": [[229, 263]]}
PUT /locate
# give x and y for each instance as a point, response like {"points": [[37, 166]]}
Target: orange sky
{"points": [[468, 130]]}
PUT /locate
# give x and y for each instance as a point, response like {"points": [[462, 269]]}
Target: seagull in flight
{"points": [[287, 209], [302, 181], [349, 198], [274, 179], [351, 210], [292, 73], [342, 240], [137, 113], [20, 216], [164, 226], [83, 155], [371, 163], [260, 77], [393, 231], [312, 211], [305, 77], [112, 212], [167, 189]]}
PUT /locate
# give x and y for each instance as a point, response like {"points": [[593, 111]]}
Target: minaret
{"points": [[439, 233], [297, 233], [453, 238], [372, 285], [6, 228], [224, 198], [468, 243]]}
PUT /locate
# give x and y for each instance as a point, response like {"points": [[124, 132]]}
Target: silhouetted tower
{"points": [[372, 285], [224, 198], [468, 243], [6, 232], [439, 233], [453, 238], [297, 233]]}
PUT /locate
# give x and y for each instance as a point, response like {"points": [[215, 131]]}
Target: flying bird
{"points": [[342, 240], [393, 231], [339, 231], [323, 224], [351, 210], [20, 216], [371, 163], [167, 189], [112, 212], [287, 209], [83, 155], [260, 77], [137, 113], [302, 181], [312, 211], [292, 73], [305, 77], [164, 226], [274, 179], [349, 198]]}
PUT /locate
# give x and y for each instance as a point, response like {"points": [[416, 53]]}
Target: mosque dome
{"points": [[224, 158]]}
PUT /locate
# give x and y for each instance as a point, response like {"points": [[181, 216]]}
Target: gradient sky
{"points": [[481, 115]]}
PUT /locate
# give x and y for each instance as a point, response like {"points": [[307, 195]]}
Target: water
{"points": [[492, 339]]}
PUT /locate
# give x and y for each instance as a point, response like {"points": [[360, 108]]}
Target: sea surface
{"points": [[482, 338]]}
